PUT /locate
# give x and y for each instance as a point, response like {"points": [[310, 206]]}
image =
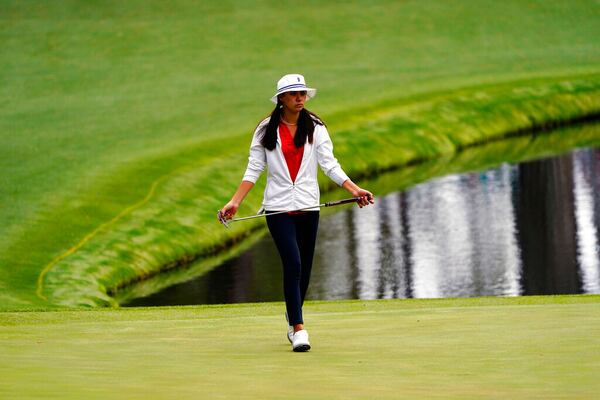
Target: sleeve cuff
{"points": [[339, 176]]}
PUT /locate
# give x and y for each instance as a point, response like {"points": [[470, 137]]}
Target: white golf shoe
{"points": [[300, 341]]}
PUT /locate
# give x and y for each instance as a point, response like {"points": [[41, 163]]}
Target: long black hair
{"points": [[305, 129]]}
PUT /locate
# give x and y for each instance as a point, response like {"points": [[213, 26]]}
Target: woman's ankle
{"points": [[298, 327]]}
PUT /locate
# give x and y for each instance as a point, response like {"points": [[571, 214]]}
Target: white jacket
{"points": [[281, 194]]}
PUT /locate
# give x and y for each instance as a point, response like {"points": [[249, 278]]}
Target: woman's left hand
{"points": [[366, 197]]}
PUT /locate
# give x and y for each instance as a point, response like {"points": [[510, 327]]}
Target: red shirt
{"points": [[292, 154]]}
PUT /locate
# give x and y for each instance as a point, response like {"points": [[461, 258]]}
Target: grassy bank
{"points": [[532, 347], [124, 125]]}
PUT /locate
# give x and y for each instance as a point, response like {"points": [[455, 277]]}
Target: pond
{"points": [[527, 228]]}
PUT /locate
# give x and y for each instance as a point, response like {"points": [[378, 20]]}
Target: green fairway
{"points": [[532, 347], [125, 125]]}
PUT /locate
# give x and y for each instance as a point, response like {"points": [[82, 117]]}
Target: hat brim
{"points": [[310, 93]]}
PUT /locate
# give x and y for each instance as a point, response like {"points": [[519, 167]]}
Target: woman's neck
{"points": [[290, 118]]}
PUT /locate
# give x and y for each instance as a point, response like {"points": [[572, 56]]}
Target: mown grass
{"points": [[106, 103], [518, 348]]}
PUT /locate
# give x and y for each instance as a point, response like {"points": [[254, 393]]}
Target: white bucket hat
{"points": [[293, 83]]}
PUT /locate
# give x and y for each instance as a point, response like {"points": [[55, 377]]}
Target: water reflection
{"points": [[531, 228], [586, 177], [546, 220], [464, 236]]}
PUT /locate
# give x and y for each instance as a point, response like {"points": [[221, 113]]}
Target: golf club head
{"points": [[222, 219]]}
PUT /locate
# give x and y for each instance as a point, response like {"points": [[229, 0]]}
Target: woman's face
{"points": [[293, 101]]}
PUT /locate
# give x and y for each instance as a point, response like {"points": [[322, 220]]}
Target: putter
{"points": [[226, 222]]}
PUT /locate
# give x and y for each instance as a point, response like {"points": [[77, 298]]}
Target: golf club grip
{"points": [[344, 201]]}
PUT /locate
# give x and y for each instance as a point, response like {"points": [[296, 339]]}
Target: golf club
{"points": [[226, 222]]}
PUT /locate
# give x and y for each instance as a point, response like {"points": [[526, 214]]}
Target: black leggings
{"points": [[295, 236]]}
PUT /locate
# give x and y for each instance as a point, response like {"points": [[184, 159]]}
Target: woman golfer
{"points": [[290, 143]]}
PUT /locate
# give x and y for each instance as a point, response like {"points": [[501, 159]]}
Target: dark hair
{"points": [[305, 129]]}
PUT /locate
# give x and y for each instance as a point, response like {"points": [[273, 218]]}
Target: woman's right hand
{"points": [[229, 210]]}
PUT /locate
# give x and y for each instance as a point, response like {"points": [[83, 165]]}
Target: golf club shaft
{"points": [[328, 204]]}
